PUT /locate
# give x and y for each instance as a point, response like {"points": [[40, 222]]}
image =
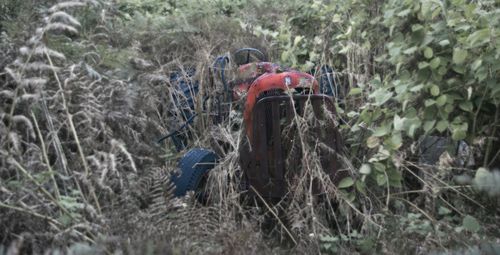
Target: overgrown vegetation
{"points": [[86, 92]]}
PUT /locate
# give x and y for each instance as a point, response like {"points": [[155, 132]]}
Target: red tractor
{"points": [[278, 103]]}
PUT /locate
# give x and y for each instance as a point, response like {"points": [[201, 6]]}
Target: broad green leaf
{"points": [[352, 114], [381, 96], [459, 134], [346, 183], [416, 27], [440, 101], [469, 93], [65, 219], [423, 64], [479, 37], [381, 179], [396, 140], [379, 167], [404, 13], [416, 88], [410, 51], [395, 178], [434, 90], [413, 127], [429, 102], [297, 40], [365, 169], [428, 125], [459, 56], [442, 125], [449, 108], [372, 142], [483, 180], [398, 122], [442, 70], [381, 131], [470, 223], [428, 53], [466, 106], [361, 187], [444, 43], [355, 91], [435, 63], [476, 64], [443, 210]]}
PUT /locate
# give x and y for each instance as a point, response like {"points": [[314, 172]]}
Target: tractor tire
{"points": [[193, 167]]}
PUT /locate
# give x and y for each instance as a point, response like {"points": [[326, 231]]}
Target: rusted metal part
{"points": [[272, 158]]}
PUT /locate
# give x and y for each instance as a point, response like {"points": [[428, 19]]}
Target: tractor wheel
{"points": [[193, 167]]}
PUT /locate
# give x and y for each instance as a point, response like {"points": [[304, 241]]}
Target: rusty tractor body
{"points": [[275, 100]]}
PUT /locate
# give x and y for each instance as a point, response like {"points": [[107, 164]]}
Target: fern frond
{"points": [[64, 17], [13, 74], [66, 5], [23, 119], [15, 141], [124, 150], [59, 27], [7, 93], [99, 36], [26, 97], [36, 66], [40, 51], [33, 82]]}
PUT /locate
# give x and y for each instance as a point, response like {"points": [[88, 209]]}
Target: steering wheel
{"points": [[245, 56]]}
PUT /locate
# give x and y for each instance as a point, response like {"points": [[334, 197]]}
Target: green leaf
{"points": [[381, 131], [355, 91], [435, 63], [479, 37], [297, 40], [416, 88], [361, 187], [442, 70], [381, 96], [379, 167], [65, 219], [372, 142], [476, 64], [416, 27], [422, 65], [444, 43], [443, 210], [470, 223], [428, 125], [410, 51], [459, 134], [429, 102], [435, 90], [365, 169], [346, 183], [395, 178], [442, 125], [398, 122], [396, 140], [428, 53], [404, 13], [459, 56], [440, 101], [414, 125], [381, 179], [466, 106]]}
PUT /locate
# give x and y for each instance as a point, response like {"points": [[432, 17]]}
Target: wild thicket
{"points": [[86, 93]]}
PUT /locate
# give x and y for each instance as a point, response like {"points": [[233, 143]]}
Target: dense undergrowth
{"points": [[85, 93]]}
